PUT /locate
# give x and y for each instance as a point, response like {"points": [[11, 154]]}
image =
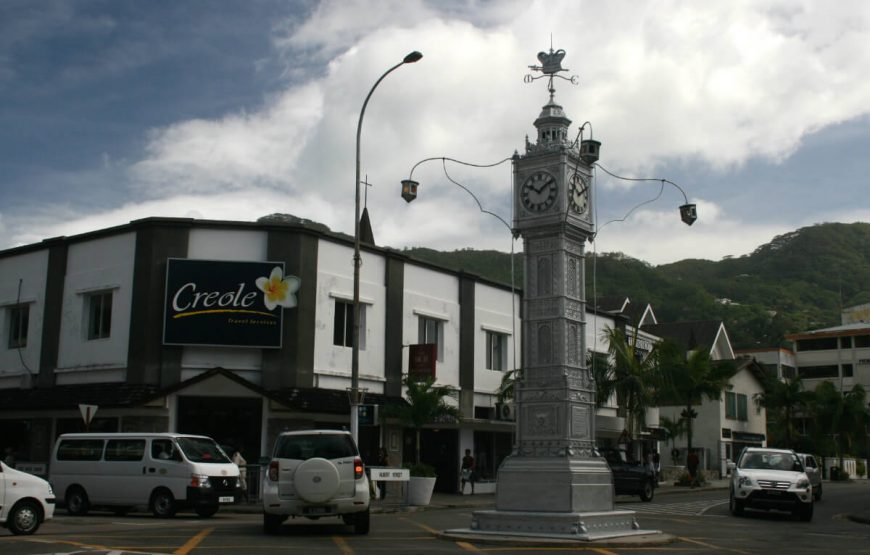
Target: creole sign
{"points": [[240, 304]]}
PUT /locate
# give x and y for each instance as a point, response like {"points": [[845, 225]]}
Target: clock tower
{"points": [[554, 483]]}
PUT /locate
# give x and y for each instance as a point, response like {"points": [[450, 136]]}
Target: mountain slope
{"points": [[798, 281]]}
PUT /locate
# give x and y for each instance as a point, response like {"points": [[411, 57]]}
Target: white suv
{"points": [[814, 473], [316, 473], [770, 479]]}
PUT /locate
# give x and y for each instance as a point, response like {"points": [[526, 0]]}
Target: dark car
{"points": [[630, 477]]}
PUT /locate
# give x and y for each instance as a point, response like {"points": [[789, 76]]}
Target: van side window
{"points": [[80, 450], [125, 449], [164, 450]]}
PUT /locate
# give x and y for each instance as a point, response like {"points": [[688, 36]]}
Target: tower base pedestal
{"points": [[575, 526]]}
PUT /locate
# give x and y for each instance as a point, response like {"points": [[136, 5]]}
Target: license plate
{"points": [[227, 499], [317, 510], [774, 492]]}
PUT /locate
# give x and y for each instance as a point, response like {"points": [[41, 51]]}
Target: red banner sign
{"points": [[421, 360]]}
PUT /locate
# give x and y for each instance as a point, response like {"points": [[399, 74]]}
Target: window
{"points": [[342, 331], [431, 330], [80, 450], [816, 372], [125, 449], [862, 341], [496, 351], [19, 316], [788, 371], [845, 342], [736, 406], [821, 344], [847, 370], [99, 315]]}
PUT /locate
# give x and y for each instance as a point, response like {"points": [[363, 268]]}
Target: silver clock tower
{"points": [[554, 483]]}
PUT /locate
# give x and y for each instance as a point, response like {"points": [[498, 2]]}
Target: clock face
{"points": [[538, 193], [578, 194]]}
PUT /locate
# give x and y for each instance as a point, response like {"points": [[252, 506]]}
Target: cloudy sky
{"points": [[116, 110]]}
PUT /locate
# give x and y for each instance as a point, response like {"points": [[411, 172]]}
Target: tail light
{"points": [[358, 468], [273, 471]]}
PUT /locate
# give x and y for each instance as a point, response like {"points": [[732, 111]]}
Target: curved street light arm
{"points": [[354, 392]]}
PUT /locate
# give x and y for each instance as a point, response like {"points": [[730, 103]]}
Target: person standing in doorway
{"points": [[9, 457], [243, 471], [467, 471], [382, 461], [692, 462]]}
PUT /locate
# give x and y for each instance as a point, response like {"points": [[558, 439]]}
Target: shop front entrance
{"points": [[233, 422]]}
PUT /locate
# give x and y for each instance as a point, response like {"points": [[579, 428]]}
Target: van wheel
{"points": [[647, 491], [77, 503], [206, 511], [361, 522], [24, 518], [163, 504], [272, 523]]}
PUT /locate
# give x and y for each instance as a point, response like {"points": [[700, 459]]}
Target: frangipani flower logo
{"points": [[278, 290]]}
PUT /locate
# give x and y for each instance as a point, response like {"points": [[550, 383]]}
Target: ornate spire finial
{"points": [[551, 66]]}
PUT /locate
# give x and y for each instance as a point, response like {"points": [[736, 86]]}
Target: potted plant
{"points": [[426, 403]]}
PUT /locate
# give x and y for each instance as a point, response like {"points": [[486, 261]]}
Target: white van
{"points": [[164, 472], [26, 501]]}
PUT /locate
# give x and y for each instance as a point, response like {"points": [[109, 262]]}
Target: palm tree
{"points": [[426, 404], [633, 377], [676, 428], [691, 379], [783, 399], [844, 416]]}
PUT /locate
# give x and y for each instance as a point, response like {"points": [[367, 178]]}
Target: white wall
{"points": [[92, 266], [32, 269], [335, 281], [435, 295], [493, 313]]}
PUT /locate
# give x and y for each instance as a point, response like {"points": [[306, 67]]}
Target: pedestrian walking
{"points": [[692, 462], [467, 471], [243, 471]]}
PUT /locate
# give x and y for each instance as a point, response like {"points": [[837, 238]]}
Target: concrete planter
{"points": [[420, 490]]}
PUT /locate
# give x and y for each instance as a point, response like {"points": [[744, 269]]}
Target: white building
{"points": [[162, 325], [723, 427]]}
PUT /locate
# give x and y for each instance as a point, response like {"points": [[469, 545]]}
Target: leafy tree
{"points": [[633, 377], [676, 428], [691, 379], [426, 404], [783, 400], [843, 417]]}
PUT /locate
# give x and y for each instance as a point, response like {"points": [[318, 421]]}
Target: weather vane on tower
{"points": [[551, 65]]}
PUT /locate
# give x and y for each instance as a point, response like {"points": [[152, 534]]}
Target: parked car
{"points": [[162, 471], [26, 501], [768, 479], [814, 473], [630, 477], [314, 474]]}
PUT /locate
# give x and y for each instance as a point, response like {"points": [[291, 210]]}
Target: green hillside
{"points": [[798, 281]]}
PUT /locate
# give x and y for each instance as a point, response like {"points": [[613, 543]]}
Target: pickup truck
{"points": [[630, 477]]}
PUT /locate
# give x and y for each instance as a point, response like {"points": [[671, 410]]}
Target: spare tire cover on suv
{"points": [[316, 480]]}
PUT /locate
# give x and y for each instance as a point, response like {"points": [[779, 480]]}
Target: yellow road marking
{"points": [[468, 547], [342, 545], [711, 546], [429, 529], [193, 542]]}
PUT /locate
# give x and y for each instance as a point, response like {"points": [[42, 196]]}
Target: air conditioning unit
{"points": [[505, 411]]}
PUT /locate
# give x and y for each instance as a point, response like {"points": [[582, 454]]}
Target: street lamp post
{"points": [[355, 397]]}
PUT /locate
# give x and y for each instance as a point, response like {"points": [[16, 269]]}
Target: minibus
{"points": [[163, 472]]}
